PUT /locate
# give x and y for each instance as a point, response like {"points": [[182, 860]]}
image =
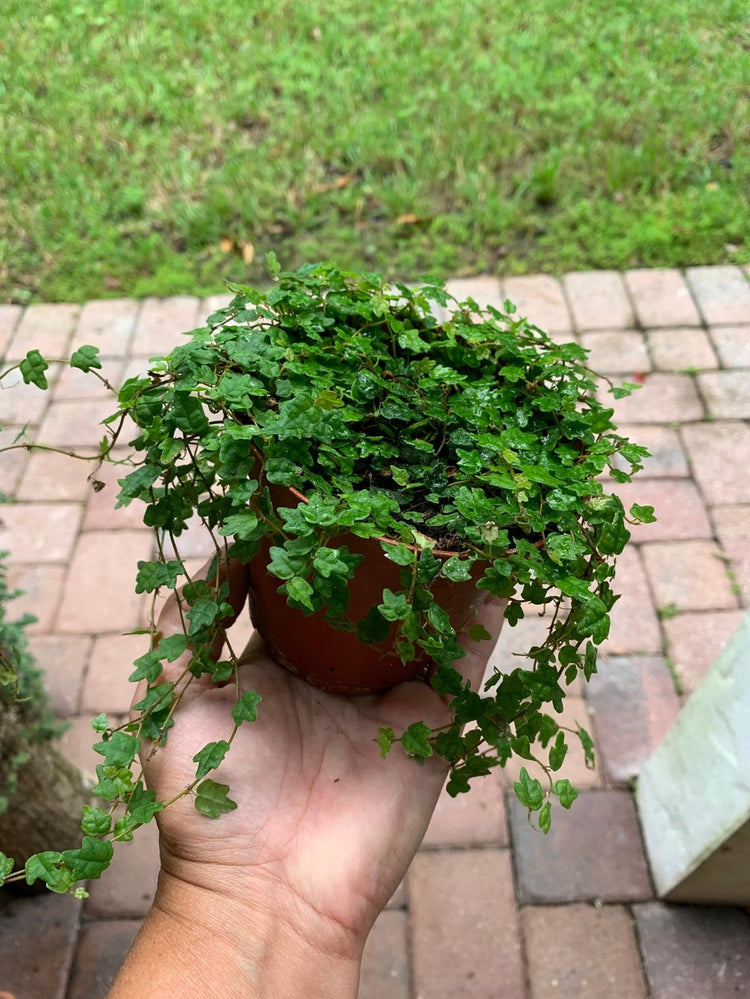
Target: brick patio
{"points": [[490, 908]]}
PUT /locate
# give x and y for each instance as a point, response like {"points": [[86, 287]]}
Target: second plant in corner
{"points": [[382, 471]]}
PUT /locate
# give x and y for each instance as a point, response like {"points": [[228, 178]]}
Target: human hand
{"points": [[325, 828]]}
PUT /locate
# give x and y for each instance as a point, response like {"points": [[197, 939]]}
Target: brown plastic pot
{"points": [[337, 660]]}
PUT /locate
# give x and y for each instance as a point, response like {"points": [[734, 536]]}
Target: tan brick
{"points": [[662, 398], [540, 299], [99, 593], [598, 300], [667, 457], [102, 947], [722, 294], [76, 742], [719, 453], [102, 512], [562, 961], [108, 324], [76, 423], [63, 658], [73, 383], [385, 962], [39, 532], [46, 328], [127, 886], [634, 626], [574, 768], [483, 290], [635, 703], [162, 322], [458, 900], [733, 529], [52, 476], [661, 298], [617, 352], [12, 463], [110, 664], [473, 819], [681, 349], [214, 303], [732, 344], [678, 509], [694, 642], [727, 393], [41, 589], [688, 575], [21, 403], [39, 939]]}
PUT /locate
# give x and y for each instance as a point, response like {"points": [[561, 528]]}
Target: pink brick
{"points": [[39, 941], [161, 324], [12, 463], [473, 819], [76, 742], [635, 703], [63, 659], [598, 300], [681, 349], [732, 344], [21, 403], [719, 453], [101, 510], [722, 293], [46, 328], [464, 928], [733, 529], [688, 575], [574, 767], [694, 642], [76, 384], [634, 624], [678, 509], [108, 324], [76, 423], [10, 316], [663, 443], [52, 476], [39, 532], [385, 962], [102, 947], [661, 298], [127, 886], [540, 299], [41, 587], [110, 664], [563, 963], [617, 352], [99, 593], [214, 303], [662, 398], [727, 394]]}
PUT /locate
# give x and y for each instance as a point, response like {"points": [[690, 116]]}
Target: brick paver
{"points": [[661, 298], [635, 702], [465, 939], [491, 907], [722, 294], [593, 851], [598, 300], [564, 964], [695, 951]]}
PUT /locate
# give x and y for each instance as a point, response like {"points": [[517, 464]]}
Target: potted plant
{"points": [[332, 429]]}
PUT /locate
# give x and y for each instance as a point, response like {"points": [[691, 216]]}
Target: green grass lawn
{"points": [[154, 147]]}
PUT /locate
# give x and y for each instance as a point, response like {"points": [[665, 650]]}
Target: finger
{"points": [[491, 618]]}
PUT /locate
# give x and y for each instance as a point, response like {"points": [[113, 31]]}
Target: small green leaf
{"points": [[400, 476], [147, 667], [643, 514], [33, 367], [212, 799], [457, 569], [152, 575], [202, 614], [95, 821], [91, 860], [558, 752], [210, 757], [415, 740], [386, 738], [545, 817], [6, 867], [301, 591], [565, 792], [588, 746], [45, 867], [246, 709], [119, 750], [395, 606], [100, 723], [86, 358], [529, 791], [478, 633]]}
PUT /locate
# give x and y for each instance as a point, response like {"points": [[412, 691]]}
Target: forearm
{"points": [[193, 946]]}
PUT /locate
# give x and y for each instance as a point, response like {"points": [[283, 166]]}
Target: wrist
{"points": [[210, 944]]}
